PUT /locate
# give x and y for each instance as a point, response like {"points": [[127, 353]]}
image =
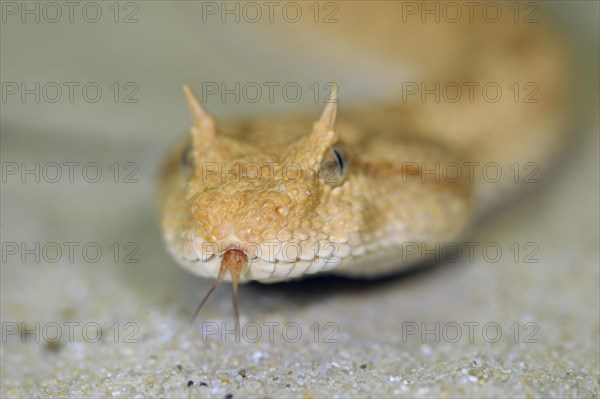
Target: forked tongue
{"points": [[233, 262]]}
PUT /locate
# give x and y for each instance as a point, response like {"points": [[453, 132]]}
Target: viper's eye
{"points": [[186, 157], [333, 167]]}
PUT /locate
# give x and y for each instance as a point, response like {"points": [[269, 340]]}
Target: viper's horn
{"points": [[329, 113], [205, 127]]}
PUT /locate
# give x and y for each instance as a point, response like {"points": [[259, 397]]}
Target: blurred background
{"points": [[91, 101]]}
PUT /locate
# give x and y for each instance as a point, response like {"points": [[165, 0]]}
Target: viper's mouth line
{"points": [[233, 262]]}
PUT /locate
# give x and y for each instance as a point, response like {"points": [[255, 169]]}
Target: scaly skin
{"points": [[286, 208], [278, 209]]}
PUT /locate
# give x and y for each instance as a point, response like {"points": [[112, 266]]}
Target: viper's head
{"points": [[287, 208], [256, 210]]}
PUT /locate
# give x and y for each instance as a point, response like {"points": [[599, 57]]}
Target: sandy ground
{"points": [[523, 323]]}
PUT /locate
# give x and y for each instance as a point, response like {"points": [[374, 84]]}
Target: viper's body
{"points": [[415, 171]]}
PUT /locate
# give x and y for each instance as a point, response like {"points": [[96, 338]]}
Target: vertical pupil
{"points": [[340, 159]]}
